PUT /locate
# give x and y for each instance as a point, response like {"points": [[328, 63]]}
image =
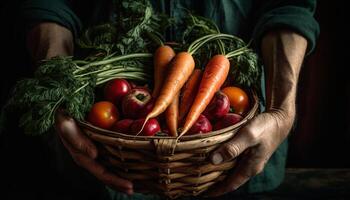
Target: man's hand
{"points": [[254, 144], [47, 40], [283, 53], [84, 153]]}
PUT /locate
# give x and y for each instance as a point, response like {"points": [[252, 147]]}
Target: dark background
{"points": [[321, 138]]}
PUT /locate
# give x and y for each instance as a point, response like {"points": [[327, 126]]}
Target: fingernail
{"points": [[217, 158]]}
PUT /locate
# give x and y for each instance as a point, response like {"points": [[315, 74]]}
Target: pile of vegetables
{"points": [[117, 82]]}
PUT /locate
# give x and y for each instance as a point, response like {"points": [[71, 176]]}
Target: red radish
{"points": [[202, 125], [123, 126], [115, 90], [228, 120], [150, 129], [146, 109], [218, 107]]}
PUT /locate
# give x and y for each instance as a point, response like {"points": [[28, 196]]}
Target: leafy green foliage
{"points": [[244, 67], [118, 49], [137, 29]]}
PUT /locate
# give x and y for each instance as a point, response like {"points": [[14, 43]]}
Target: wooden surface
{"points": [[302, 183]]}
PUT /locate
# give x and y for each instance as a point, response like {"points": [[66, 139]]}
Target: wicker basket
{"points": [[165, 165]]}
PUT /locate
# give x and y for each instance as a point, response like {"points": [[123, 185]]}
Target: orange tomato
{"points": [[239, 99], [103, 114]]}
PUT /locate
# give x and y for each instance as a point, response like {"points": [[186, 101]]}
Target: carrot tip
{"points": [[143, 126]]}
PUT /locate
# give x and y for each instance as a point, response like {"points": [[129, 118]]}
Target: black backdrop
{"points": [[321, 137]]}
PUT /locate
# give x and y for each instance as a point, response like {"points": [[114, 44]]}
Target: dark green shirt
{"points": [[249, 19]]}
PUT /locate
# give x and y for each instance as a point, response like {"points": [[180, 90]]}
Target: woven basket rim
{"points": [[254, 107]]}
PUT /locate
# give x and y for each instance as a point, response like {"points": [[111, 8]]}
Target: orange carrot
{"points": [[162, 57], [189, 93], [214, 76], [179, 71], [172, 116]]}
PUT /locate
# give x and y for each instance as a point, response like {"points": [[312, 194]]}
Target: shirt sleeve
{"points": [[58, 11], [296, 15]]}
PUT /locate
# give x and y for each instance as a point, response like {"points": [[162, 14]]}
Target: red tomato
{"points": [[116, 89], [239, 100], [103, 114]]}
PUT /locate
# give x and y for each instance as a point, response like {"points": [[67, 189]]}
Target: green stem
{"points": [[138, 76], [105, 68], [201, 41], [117, 71], [237, 52], [117, 58]]}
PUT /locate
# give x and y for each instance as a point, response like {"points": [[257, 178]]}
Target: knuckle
{"points": [[232, 150], [251, 135]]}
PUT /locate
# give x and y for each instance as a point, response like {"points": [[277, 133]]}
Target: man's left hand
{"points": [[253, 146]]}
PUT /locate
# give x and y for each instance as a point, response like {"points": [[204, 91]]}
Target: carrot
{"points": [[162, 57], [215, 74], [172, 116], [181, 68], [179, 71], [189, 93]]}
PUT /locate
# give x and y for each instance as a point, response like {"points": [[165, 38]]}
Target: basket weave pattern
{"points": [[168, 166]]}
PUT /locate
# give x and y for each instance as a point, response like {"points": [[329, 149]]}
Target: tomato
{"points": [[239, 99], [115, 90], [103, 114]]}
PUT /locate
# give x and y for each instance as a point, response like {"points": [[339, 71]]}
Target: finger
{"points": [[100, 172], [246, 137], [70, 132], [104, 175], [249, 166]]}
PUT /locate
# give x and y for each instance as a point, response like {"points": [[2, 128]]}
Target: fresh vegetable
{"points": [[172, 116], [151, 127], [162, 57], [179, 71], [239, 99], [202, 125], [228, 120], [189, 92], [214, 75], [146, 109], [134, 102], [109, 51], [115, 90], [218, 107], [103, 114], [123, 126]]}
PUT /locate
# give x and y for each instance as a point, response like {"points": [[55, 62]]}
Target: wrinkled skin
{"points": [[283, 52], [47, 40]]}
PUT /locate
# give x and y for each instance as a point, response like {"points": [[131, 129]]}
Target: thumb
{"points": [[231, 149], [70, 132]]}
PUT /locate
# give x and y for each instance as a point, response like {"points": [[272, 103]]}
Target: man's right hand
{"points": [[84, 153], [47, 40]]}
